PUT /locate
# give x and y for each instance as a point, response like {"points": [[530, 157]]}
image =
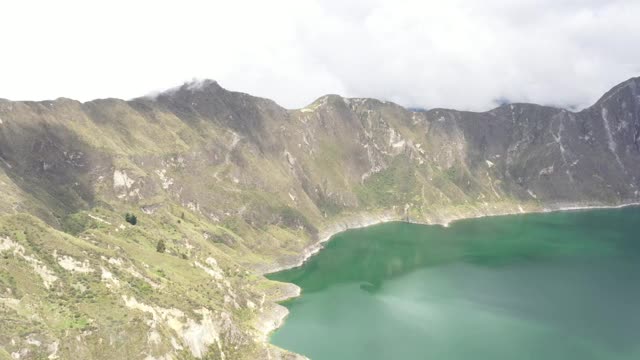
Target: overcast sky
{"points": [[465, 54]]}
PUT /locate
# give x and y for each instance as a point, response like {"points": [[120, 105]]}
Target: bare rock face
{"points": [[558, 155], [235, 185]]}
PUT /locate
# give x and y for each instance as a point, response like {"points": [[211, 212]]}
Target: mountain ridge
{"points": [[195, 84], [198, 84]]}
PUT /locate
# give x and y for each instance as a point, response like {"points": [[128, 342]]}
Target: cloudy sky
{"points": [[465, 54]]}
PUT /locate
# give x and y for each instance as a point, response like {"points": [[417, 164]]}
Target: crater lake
{"points": [[561, 285]]}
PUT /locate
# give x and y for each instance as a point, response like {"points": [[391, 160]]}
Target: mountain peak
{"points": [[630, 88], [201, 85], [333, 100], [191, 87]]}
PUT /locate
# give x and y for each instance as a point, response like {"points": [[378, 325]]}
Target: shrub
{"points": [[131, 219], [161, 247]]}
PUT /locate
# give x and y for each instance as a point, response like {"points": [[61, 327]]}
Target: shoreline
{"points": [[367, 220], [349, 224], [546, 210]]}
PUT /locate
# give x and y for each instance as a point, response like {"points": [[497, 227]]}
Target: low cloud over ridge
{"points": [[461, 54]]}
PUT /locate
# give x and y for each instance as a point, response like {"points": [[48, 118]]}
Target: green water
{"points": [[542, 286]]}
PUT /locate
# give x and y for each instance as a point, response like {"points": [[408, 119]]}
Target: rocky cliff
{"points": [[236, 185]]}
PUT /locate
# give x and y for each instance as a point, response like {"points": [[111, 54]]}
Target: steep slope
{"points": [[236, 185]]}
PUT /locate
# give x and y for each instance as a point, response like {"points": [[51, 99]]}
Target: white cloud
{"points": [[457, 53]]}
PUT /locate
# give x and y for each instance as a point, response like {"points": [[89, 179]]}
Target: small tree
{"points": [[131, 219], [161, 247]]}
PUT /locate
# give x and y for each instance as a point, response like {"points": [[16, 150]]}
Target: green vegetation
{"points": [[161, 247], [131, 219], [395, 185]]}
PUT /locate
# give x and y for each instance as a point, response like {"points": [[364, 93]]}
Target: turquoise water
{"points": [[560, 285]]}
